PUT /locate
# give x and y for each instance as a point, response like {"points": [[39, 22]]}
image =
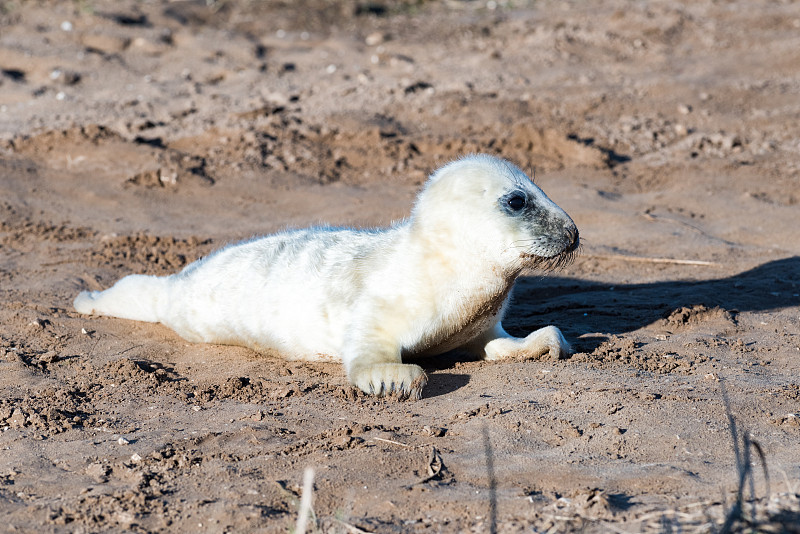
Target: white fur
{"points": [[371, 298]]}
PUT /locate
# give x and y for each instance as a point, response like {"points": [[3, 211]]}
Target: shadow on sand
{"points": [[579, 307]]}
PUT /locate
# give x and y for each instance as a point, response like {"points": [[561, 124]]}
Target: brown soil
{"points": [[136, 137]]}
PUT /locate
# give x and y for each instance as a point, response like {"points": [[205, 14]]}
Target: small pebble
{"points": [[434, 431], [375, 38]]}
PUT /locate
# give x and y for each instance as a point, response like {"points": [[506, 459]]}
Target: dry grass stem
{"points": [[644, 259], [392, 442], [306, 510]]}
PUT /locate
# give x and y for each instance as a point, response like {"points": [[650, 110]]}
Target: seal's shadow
{"points": [[579, 307], [443, 383]]}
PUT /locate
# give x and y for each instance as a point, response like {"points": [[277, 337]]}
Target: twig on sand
{"points": [[645, 259], [351, 528], [305, 501], [392, 442]]}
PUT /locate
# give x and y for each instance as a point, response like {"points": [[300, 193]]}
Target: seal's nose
{"points": [[573, 237]]}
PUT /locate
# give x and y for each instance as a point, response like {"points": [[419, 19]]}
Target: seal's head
{"points": [[489, 205]]}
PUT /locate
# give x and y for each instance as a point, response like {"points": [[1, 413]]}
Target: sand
{"points": [[136, 137]]}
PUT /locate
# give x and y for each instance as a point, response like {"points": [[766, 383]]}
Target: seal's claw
{"points": [[405, 381]]}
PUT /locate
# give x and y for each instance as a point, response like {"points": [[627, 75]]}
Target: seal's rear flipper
{"points": [[137, 297]]}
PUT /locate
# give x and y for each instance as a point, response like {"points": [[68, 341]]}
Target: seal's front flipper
{"points": [[374, 364], [497, 344], [546, 340], [387, 379]]}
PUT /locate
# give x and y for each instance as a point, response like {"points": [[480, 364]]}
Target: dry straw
{"points": [[306, 510]]}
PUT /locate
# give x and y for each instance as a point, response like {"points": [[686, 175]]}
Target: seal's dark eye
{"points": [[516, 202]]}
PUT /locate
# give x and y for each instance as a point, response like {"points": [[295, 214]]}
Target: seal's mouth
{"points": [[551, 263], [555, 261]]}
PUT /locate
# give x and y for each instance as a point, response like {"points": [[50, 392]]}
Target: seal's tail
{"points": [[136, 297]]}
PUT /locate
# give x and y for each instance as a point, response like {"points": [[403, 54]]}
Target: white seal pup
{"points": [[438, 281]]}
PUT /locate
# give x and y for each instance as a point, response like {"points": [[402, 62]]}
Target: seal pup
{"points": [[437, 281]]}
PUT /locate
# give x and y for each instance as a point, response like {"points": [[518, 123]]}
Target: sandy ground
{"points": [[138, 136]]}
